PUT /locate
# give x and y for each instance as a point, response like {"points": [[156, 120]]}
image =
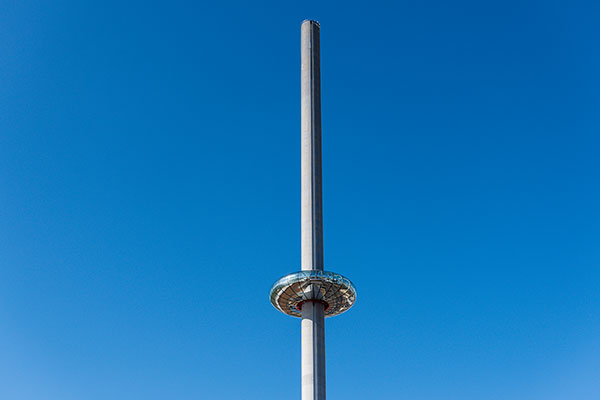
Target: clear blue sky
{"points": [[150, 194]]}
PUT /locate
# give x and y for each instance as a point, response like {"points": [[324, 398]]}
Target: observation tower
{"points": [[312, 293]]}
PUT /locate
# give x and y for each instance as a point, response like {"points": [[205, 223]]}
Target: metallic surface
{"points": [[291, 293], [311, 193], [313, 314]]}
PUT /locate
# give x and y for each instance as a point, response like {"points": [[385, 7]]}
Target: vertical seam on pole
{"points": [[312, 147]]}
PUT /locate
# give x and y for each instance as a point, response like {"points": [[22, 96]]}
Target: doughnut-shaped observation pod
{"points": [[336, 292]]}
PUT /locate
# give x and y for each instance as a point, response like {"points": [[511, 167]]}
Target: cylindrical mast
{"points": [[312, 199], [313, 316]]}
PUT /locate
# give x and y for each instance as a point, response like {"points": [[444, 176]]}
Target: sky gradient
{"points": [[150, 195]]}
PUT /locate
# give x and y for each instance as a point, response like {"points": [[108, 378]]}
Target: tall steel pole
{"points": [[313, 316], [312, 294]]}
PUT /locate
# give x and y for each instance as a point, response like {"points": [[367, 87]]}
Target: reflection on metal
{"points": [[336, 292]]}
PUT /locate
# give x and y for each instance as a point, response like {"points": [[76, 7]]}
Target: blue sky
{"points": [[150, 195]]}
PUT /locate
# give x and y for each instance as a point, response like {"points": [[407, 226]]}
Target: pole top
{"points": [[312, 22]]}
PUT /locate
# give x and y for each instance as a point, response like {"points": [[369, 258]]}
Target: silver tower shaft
{"points": [[313, 315]]}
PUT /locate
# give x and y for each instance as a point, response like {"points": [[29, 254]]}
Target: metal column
{"points": [[313, 320]]}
